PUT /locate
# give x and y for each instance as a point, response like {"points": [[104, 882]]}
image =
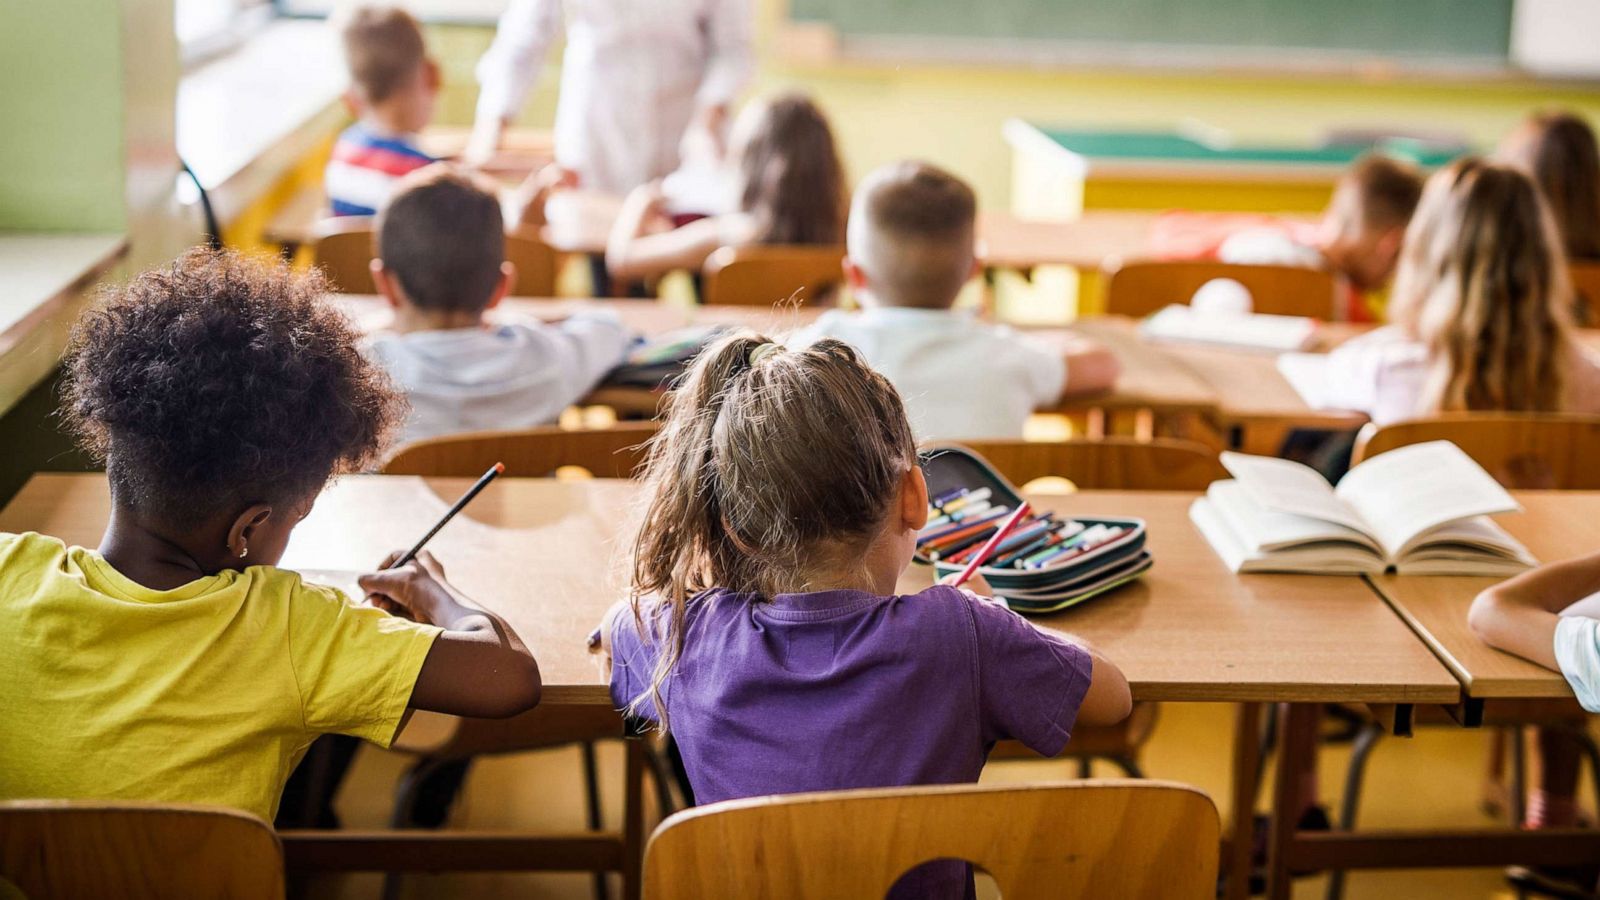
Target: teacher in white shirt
{"points": [[637, 76]]}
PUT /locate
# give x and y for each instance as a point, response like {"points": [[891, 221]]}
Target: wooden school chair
{"points": [[1524, 451], [89, 850], [766, 274], [344, 247], [1111, 464], [1153, 840], [614, 452], [1586, 287], [1140, 288]]}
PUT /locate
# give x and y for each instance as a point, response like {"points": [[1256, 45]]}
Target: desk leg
{"points": [[1296, 744], [1246, 759], [633, 820]]}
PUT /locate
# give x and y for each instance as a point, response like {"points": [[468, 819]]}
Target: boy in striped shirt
{"points": [[394, 86]]}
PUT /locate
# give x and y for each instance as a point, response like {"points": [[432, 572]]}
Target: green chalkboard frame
{"points": [[1451, 34]]}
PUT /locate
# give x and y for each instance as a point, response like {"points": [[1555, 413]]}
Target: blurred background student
{"points": [[784, 185]]}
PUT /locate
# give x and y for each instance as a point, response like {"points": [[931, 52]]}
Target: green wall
{"points": [[61, 161]]}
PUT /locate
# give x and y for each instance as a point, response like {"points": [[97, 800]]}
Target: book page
{"points": [[1410, 490], [1262, 530], [1280, 485]]}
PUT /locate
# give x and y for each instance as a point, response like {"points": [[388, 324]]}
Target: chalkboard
{"points": [[1417, 31]]}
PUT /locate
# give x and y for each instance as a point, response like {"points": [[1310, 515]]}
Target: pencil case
{"points": [[1050, 584]]}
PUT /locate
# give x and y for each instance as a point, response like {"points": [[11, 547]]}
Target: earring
{"points": [[243, 552]]}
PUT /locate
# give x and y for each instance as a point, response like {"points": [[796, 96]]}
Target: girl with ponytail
{"points": [[782, 501]]}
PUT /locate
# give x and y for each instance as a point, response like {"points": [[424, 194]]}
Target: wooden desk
{"points": [[1248, 395], [1554, 525], [545, 553]]}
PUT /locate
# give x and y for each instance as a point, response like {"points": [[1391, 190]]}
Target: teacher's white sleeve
{"points": [[731, 55], [507, 71]]}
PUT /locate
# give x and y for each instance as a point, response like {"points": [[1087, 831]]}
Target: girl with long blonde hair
{"points": [[1480, 310]]}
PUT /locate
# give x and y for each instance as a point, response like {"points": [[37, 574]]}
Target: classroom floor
{"points": [[1432, 779]]}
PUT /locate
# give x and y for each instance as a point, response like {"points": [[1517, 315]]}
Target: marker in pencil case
{"points": [[1066, 532], [967, 499], [483, 482], [960, 541], [947, 496], [978, 537], [1040, 542], [1019, 536], [964, 522], [1081, 547], [961, 515], [961, 529], [1073, 540], [1023, 509]]}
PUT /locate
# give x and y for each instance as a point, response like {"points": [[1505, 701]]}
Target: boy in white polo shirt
{"points": [[911, 249]]}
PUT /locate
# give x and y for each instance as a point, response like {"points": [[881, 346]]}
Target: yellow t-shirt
{"points": [[209, 693]]}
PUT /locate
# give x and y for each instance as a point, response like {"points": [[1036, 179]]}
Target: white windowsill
{"points": [[245, 118]]}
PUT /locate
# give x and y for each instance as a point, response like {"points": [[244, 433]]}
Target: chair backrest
{"points": [[1530, 451], [78, 850], [613, 452], [1107, 464], [764, 274], [1586, 285], [1147, 839], [344, 248], [1143, 287]]}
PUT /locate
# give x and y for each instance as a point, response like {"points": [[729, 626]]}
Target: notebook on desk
{"points": [[1417, 510], [1247, 331]]}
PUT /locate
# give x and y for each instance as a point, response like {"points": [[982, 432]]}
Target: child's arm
{"points": [[1108, 700], [523, 205], [478, 666], [1091, 368], [1520, 615], [638, 249]]}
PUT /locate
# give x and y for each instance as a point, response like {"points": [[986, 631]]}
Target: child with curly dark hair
{"points": [[176, 662]]}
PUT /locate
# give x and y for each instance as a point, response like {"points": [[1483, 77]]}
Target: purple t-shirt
{"points": [[845, 689]]}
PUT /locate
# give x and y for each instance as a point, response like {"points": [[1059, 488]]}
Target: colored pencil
{"points": [[977, 561], [461, 504]]}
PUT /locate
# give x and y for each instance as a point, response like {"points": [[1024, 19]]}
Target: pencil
{"points": [[496, 469], [983, 555]]}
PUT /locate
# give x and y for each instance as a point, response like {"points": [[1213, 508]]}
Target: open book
{"points": [[1417, 510]]}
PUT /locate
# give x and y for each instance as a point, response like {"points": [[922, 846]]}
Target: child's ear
{"points": [[854, 275], [384, 281], [352, 102], [430, 74], [244, 528], [914, 500], [508, 280]]}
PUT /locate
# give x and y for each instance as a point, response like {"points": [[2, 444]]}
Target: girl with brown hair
{"points": [[1558, 150], [783, 501], [787, 187]]}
